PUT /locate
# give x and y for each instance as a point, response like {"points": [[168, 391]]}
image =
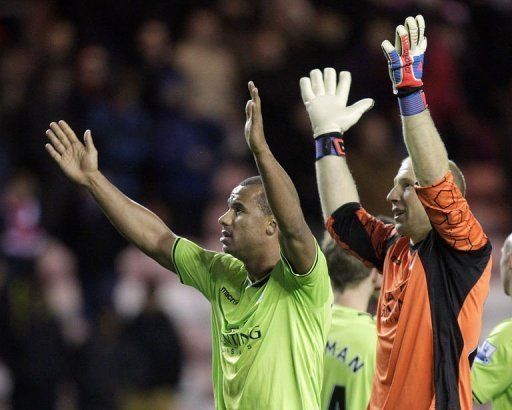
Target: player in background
{"points": [[435, 262], [269, 292], [352, 341], [491, 375]]}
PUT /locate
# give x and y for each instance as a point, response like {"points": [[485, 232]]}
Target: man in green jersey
{"points": [[351, 343], [270, 292], [491, 375]]}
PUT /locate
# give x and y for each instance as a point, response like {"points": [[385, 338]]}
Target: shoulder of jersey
{"points": [[503, 330]]}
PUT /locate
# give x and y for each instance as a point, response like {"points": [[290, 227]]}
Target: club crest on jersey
{"points": [[485, 352]]}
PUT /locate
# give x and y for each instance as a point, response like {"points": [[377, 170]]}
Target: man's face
{"points": [[408, 212], [244, 225], [506, 269]]}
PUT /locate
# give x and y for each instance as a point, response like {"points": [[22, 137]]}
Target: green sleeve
{"points": [[491, 373], [194, 265], [313, 286]]}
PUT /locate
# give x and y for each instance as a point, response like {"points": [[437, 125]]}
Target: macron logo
{"points": [[228, 296]]}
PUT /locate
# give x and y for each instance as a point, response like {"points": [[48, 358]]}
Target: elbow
{"points": [[160, 247]]}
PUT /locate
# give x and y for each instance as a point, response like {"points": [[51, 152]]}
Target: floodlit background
{"points": [[87, 321]]}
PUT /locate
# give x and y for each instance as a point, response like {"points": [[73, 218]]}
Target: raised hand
{"points": [[254, 134], [326, 103], [77, 161], [405, 59]]}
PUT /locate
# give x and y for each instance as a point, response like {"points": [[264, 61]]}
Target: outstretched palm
{"points": [[77, 161], [254, 134]]}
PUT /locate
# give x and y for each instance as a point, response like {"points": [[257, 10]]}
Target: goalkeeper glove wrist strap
{"points": [[412, 103], [330, 144]]}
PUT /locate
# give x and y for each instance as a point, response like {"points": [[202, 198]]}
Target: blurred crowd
{"points": [[86, 320]]}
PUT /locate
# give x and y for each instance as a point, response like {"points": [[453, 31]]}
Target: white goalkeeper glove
{"points": [[327, 104]]}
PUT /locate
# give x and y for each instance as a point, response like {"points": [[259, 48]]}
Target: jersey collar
{"points": [[259, 283]]}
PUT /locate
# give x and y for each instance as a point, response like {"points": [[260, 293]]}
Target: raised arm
{"points": [[405, 61], [80, 164], [295, 237], [330, 117], [347, 222]]}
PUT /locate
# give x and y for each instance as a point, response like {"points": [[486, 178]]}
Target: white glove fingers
{"points": [[398, 42], [412, 27], [344, 87], [359, 108], [363, 105], [390, 52], [420, 21], [402, 40], [330, 80], [423, 45], [306, 91], [317, 82]]}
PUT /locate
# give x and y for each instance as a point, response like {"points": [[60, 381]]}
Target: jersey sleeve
{"points": [[491, 373], [194, 265], [450, 215], [363, 235], [315, 285]]}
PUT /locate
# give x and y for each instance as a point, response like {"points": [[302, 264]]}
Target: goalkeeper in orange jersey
{"points": [[435, 262]]}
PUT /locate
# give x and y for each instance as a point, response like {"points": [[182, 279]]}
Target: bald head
{"points": [[458, 176]]}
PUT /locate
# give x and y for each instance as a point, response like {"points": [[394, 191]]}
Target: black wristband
{"points": [[406, 91], [330, 144]]}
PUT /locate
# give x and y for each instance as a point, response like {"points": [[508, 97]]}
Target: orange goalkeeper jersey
{"points": [[430, 306]]}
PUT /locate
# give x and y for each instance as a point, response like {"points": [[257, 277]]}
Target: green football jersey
{"points": [[349, 360], [267, 337], [491, 374]]}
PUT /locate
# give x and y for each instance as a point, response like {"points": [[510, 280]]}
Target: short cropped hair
{"points": [[345, 270], [262, 196]]}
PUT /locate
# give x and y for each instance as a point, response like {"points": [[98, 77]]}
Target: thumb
{"points": [[89, 144], [363, 105], [248, 110], [390, 52]]}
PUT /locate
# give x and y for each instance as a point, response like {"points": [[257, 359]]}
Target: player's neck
{"points": [[420, 234], [260, 264], [355, 298]]}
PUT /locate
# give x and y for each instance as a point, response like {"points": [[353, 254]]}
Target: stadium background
{"points": [[88, 322]]}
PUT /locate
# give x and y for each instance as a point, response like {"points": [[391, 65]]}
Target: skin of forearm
{"points": [[425, 147], [281, 194], [336, 186], [136, 223]]}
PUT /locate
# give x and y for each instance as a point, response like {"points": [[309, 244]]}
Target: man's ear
{"points": [[271, 227]]}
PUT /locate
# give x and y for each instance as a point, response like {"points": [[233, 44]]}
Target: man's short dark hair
{"points": [[345, 270], [262, 196]]}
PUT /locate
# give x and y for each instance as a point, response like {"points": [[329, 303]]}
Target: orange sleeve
{"points": [[450, 215], [363, 235]]}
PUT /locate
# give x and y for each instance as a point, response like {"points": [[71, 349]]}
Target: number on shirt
{"points": [[337, 398]]}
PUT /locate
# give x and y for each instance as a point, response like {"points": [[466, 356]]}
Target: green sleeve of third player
{"points": [[491, 373], [193, 265]]}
